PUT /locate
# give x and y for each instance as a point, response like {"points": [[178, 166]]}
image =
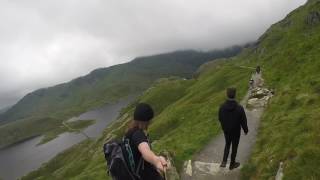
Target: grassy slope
{"points": [[186, 120], [289, 56], [189, 123], [290, 126], [105, 84], [45, 109], [76, 126], [26, 128], [13, 131]]}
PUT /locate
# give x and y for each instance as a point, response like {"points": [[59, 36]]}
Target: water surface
{"points": [[24, 157]]}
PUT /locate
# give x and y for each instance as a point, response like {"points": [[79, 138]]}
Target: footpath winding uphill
{"points": [[206, 164]]}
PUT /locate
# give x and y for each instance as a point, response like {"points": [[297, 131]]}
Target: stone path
{"points": [[206, 164]]}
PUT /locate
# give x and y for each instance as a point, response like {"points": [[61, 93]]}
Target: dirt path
{"points": [[206, 165]]}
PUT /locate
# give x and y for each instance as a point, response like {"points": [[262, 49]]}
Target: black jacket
{"points": [[232, 117]]}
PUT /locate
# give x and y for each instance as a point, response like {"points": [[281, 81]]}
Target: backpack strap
{"points": [[132, 166], [140, 165]]}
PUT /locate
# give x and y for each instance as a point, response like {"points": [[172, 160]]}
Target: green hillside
{"points": [[186, 110], [185, 121], [44, 110], [290, 55], [107, 84]]}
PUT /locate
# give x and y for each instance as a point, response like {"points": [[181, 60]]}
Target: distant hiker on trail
{"points": [[232, 117], [251, 84], [257, 78]]}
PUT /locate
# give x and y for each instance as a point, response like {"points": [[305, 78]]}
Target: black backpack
{"points": [[120, 161]]}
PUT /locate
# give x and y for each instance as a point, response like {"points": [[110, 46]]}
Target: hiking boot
{"points": [[223, 164], [234, 165]]}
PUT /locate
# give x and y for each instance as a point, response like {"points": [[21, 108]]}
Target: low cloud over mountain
{"points": [[48, 42]]}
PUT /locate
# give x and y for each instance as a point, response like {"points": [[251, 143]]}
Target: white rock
{"points": [[211, 168], [279, 175], [189, 168]]}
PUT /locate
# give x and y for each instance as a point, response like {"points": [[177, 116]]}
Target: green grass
{"points": [[290, 125], [188, 124], [186, 120], [101, 86], [20, 131], [76, 126]]}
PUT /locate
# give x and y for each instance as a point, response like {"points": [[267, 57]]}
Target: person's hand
{"points": [[246, 132], [163, 161], [160, 167], [161, 164]]}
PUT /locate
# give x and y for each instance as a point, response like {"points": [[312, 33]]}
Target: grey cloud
{"points": [[47, 42]]}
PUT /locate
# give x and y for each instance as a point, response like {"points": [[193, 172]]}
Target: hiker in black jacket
{"points": [[232, 117]]}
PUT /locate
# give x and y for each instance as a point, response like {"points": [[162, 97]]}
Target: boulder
{"points": [[259, 93], [259, 97]]}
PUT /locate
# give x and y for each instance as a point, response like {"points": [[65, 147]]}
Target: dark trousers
{"points": [[234, 140]]}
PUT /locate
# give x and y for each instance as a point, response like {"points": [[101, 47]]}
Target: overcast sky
{"points": [[45, 42]]}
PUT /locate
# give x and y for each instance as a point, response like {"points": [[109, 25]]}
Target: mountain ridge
{"points": [[43, 110], [100, 73]]}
